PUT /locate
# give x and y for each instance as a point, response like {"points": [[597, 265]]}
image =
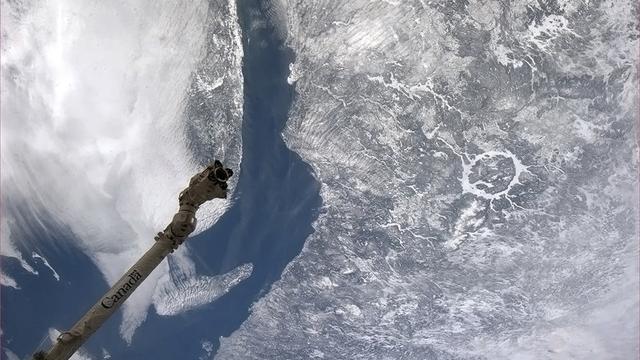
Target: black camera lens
{"points": [[221, 175]]}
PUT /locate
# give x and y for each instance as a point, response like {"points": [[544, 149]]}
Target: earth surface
{"points": [[414, 179]]}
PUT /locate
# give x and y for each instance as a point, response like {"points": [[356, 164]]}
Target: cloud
{"points": [[93, 126], [10, 355], [80, 354], [8, 281], [8, 248], [176, 297]]}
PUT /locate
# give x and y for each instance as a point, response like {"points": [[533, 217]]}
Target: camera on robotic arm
{"points": [[220, 175]]}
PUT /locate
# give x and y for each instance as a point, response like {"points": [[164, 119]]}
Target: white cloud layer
{"points": [[93, 99]]}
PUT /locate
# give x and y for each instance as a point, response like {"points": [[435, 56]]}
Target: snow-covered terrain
{"points": [[479, 172], [478, 162]]}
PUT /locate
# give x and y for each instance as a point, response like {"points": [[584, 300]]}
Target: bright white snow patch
{"points": [[550, 28], [474, 188], [467, 221], [207, 85], [295, 73], [477, 188], [506, 56], [176, 297]]}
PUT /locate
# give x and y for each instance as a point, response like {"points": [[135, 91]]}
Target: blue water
{"points": [[42, 302], [277, 201]]}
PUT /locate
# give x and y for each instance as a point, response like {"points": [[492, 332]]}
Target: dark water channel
{"points": [[277, 201]]}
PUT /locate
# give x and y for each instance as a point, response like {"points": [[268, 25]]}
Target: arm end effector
{"points": [[210, 184]]}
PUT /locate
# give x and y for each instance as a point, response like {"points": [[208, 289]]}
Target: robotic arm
{"points": [[209, 184]]}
